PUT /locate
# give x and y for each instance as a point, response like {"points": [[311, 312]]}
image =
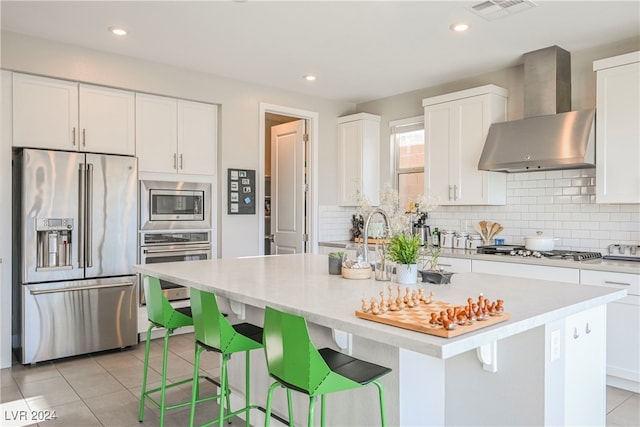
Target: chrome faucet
{"points": [[365, 238]]}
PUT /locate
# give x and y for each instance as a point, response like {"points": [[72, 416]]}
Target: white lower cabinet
{"points": [[584, 346], [528, 271], [623, 328]]}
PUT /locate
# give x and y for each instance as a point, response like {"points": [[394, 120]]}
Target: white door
{"points": [[288, 188]]}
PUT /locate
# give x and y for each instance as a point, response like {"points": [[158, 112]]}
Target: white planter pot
{"points": [[407, 274]]}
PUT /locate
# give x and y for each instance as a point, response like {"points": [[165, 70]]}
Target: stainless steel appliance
{"points": [[168, 205], [76, 215], [550, 136], [521, 251], [170, 246]]}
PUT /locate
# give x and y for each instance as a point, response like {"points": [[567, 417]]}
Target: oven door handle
{"points": [[191, 248]]}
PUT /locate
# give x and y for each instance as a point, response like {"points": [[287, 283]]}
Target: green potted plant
{"points": [[404, 250], [335, 262]]}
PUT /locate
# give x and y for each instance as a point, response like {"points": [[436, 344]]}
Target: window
{"points": [[407, 139]]}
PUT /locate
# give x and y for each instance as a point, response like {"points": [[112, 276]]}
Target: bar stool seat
{"points": [[161, 314], [295, 363], [213, 332]]}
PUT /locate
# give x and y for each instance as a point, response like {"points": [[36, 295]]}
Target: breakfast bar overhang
{"points": [[543, 366]]}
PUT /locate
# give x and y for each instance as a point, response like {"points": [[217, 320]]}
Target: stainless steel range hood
{"points": [[551, 136]]}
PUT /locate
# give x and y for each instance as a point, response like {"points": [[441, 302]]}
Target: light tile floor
{"points": [[104, 389]]}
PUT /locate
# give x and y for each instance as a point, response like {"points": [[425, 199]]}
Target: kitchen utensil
{"points": [[539, 242]]}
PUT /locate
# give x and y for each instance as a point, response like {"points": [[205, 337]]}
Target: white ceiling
{"points": [[360, 50]]}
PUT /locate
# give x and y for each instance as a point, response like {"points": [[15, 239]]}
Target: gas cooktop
{"points": [[521, 251]]}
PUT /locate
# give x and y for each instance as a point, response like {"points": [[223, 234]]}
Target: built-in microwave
{"points": [[168, 205]]}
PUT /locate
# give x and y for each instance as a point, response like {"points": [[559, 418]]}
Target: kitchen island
{"points": [[543, 366]]}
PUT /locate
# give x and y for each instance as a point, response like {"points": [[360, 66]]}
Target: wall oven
{"points": [[171, 246], [167, 205]]}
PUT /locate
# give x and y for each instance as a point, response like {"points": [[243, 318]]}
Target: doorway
{"points": [[283, 229]]}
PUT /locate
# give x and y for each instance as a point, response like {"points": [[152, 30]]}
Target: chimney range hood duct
{"points": [[551, 136]]}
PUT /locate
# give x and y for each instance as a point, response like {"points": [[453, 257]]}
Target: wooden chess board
{"points": [[417, 319]]}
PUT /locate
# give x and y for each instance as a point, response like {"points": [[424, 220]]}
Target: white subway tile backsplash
{"points": [[560, 203]]}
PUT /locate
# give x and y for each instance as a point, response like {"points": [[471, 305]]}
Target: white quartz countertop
{"points": [[301, 284], [597, 264]]}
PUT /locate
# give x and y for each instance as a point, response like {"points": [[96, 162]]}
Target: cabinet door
{"points": [[469, 135], [107, 120], [197, 133], [156, 133], [438, 125], [618, 135], [585, 343], [350, 166], [45, 113]]}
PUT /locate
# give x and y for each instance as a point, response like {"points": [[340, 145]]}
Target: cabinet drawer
{"points": [[630, 282], [455, 265], [528, 271]]}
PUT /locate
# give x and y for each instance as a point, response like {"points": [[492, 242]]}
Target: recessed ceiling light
{"points": [[118, 31], [309, 77], [460, 27]]}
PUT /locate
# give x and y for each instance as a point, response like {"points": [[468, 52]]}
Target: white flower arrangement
{"points": [[399, 220]]}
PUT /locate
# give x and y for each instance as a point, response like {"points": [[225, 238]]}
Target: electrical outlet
{"points": [[555, 345]]}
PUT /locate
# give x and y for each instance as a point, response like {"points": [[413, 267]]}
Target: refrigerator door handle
{"points": [[79, 288], [89, 237], [82, 174]]}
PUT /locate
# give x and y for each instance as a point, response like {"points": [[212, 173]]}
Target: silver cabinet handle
{"points": [[181, 162], [617, 283], [73, 140], [444, 265], [84, 137], [80, 288], [575, 334], [587, 329], [455, 192], [450, 188], [175, 161]]}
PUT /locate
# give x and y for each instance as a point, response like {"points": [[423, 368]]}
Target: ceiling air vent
{"points": [[494, 9]]}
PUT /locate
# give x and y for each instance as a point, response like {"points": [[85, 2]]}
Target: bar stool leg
{"points": [[291, 423], [267, 412], [247, 388], [322, 408], [195, 393], [381, 395], [143, 396], [163, 385], [312, 404]]}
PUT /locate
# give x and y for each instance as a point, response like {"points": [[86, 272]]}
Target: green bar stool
{"points": [[213, 332], [161, 315], [295, 363]]}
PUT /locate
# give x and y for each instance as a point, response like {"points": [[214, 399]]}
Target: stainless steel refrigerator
{"points": [[76, 216]]}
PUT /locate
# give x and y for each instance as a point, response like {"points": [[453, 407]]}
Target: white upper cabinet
{"points": [[107, 120], [618, 129], [175, 136], [45, 113], [156, 133], [456, 127], [197, 132], [57, 114], [358, 159]]}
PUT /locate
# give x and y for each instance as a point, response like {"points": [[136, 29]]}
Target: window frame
{"points": [[409, 124]]}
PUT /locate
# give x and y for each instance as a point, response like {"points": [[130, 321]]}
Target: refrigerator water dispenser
{"points": [[54, 243]]}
